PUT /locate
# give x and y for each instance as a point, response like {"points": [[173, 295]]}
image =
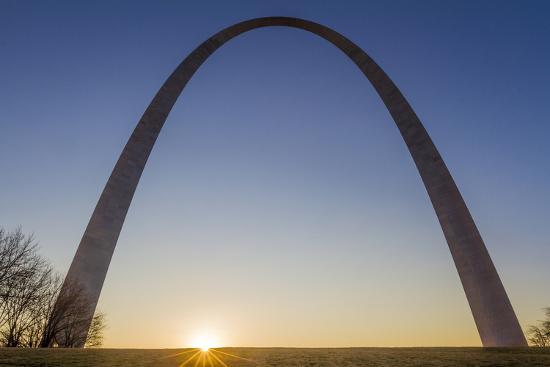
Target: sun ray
{"points": [[219, 360], [180, 353], [234, 356], [210, 363], [189, 359], [199, 359]]}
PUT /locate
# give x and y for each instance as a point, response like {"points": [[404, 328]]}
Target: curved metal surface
{"points": [[493, 314]]}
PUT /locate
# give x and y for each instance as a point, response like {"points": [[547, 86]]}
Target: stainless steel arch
{"points": [[493, 314]]}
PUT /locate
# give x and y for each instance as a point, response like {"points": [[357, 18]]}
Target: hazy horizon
{"points": [[280, 206]]}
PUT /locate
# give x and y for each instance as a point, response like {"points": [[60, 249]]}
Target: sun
{"points": [[204, 342]]}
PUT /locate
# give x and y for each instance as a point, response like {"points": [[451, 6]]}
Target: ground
{"points": [[243, 357]]}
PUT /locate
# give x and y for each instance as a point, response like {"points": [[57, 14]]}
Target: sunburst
{"points": [[208, 357]]}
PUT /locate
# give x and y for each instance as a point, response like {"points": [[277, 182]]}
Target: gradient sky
{"points": [[280, 206]]}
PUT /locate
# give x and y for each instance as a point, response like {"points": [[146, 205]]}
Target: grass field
{"points": [[243, 357]]}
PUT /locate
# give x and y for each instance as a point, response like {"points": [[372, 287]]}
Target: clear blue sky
{"points": [[280, 205]]}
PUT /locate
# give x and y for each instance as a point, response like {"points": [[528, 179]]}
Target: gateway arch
{"points": [[494, 316]]}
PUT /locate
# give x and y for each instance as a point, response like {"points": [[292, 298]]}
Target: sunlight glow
{"points": [[204, 342]]}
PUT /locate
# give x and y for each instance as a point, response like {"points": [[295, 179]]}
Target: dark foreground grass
{"points": [[244, 357]]}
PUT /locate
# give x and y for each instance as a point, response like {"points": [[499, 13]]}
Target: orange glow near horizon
{"points": [[205, 341]]}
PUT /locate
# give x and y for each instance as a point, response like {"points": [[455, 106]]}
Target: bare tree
{"points": [[54, 318], [42, 312], [95, 334], [17, 253], [539, 335], [25, 288], [68, 318], [34, 312]]}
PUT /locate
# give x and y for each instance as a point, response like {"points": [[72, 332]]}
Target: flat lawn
{"points": [[242, 357]]}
